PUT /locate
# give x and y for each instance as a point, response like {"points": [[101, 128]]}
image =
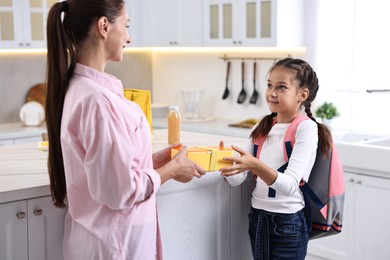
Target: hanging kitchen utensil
{"points": [[242, 95], [226, 92], [255, 94]]}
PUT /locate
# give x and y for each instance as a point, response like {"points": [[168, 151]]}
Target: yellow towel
{"points": [[142, 98]]}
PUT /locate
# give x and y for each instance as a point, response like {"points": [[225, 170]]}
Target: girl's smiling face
{"points": [[283, 94]]}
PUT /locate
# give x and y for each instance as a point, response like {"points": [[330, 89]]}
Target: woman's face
{"points": [[118, 37], [282, 94]]}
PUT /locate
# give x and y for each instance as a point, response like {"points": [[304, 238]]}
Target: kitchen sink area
{"points": [[366, 152]]}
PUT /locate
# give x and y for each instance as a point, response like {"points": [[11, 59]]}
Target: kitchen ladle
{"points": [[255, 94], [242, 95], [226, 92]]}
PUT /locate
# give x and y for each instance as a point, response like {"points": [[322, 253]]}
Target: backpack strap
{"points": [[289, 137], [289, 140]]}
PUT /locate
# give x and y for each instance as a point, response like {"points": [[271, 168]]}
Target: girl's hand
{"points": [[245, 162], [163, 156]]}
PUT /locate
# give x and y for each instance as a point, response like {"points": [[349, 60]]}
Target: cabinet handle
{"points": [[351, 180], [21, 215], [359, 182], [37, 212], [239, 42]]}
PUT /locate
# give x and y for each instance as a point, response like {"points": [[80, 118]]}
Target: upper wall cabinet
{"points": [[273, 23], [23, 23], [170, 22], [133, 12]]}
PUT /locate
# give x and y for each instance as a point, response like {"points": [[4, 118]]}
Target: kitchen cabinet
{"points": [[133, 13], [31, 229], [170, 22], [23, 23], [266, 23], [205, 219], [365, 232]]}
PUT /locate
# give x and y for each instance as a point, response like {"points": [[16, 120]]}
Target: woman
{"points": [[100, 153]]}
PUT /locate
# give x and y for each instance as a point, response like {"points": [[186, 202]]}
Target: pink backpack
{"points": [[323, 193]]}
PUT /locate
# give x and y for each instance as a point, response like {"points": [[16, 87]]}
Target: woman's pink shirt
{"points": [[111, 183]]}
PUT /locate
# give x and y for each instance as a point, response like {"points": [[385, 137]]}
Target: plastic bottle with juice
{"points": [[174, 125]]}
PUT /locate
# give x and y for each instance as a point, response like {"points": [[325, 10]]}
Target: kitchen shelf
{"points": [[226, 58]]}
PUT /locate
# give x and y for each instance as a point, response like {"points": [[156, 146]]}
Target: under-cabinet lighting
{"points": [[264, 51]]}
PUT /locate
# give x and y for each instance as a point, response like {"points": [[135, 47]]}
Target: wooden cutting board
{"points": [[37, 93], [242, 125]]}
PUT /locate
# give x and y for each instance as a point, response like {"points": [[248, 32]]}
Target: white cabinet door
{"points": [[23, 23], [170, 22], [31, 229], [365, 232], [11, 24], [253, 23], [195, 220], [45, 229], [134, 15], [13, 231], [372, 217], [221, 23]]}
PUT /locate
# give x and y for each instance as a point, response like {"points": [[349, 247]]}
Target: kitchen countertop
{"points": [[18, 130], [23, 168], [23, 172]]}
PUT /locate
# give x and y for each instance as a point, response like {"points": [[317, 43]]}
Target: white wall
{"points": [[20, 71], [203, 69]]}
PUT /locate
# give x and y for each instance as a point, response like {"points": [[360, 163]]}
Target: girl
{"points": [[277, 225], [100, 152]]}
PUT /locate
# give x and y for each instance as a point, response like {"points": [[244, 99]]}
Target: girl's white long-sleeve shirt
{"points": [[288, 198]]}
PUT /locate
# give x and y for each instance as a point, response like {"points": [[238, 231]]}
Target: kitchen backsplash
{"points": [[168, 71], [20, 71], [174, 71]]}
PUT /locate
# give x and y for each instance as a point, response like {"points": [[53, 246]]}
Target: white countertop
{"points": [[18, 130], [218, 126], [23, 168]]}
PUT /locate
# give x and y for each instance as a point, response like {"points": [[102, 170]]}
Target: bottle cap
{"points": [[174, 107]]}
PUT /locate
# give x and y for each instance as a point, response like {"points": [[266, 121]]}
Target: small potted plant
{"points": [[327, 111]]}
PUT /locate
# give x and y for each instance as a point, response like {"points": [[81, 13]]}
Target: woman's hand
{"points": [[180, 168], [187, 169], [245, 162], [163, 156]]}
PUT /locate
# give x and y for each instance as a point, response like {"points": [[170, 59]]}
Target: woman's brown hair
{"points": [[307, 78], [68, 26]]}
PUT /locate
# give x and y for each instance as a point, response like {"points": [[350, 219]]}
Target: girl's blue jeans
{"points": [[277, 235]]}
